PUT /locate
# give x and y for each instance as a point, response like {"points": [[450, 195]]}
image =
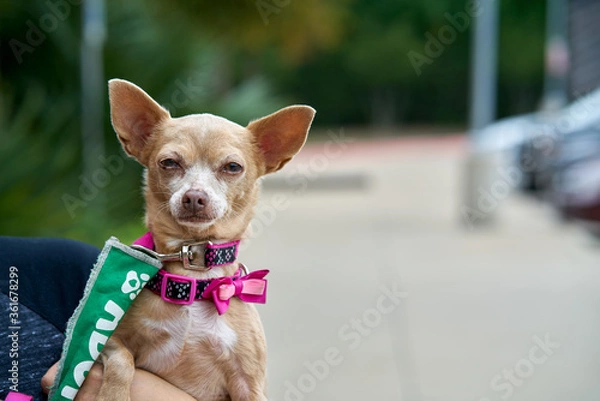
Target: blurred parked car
{"points": [[560, 160], [558, 140], [535, 156], [557, 154], [575, 189]]}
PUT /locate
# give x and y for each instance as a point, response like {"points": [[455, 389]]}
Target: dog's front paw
{"points": [[119, 369]]}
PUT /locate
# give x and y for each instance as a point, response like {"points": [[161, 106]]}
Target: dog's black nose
{"points": [[194, 200]]}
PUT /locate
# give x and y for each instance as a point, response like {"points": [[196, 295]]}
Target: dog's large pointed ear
{"points": [[282, 134], [134, 116]]}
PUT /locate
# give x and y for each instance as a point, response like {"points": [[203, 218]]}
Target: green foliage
{"points": [[240, 59], [48, 193]]}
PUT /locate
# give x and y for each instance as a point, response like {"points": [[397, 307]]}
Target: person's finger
{"points": [[48, 378], [91, 385]]}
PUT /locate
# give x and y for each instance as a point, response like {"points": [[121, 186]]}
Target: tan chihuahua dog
{"points": [[201, 184]]}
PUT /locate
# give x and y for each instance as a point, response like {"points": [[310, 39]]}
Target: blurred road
{"points": [[377, 291]]}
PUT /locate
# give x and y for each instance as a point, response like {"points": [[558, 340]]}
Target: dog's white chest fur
{"points": [[199, 321], [206, 322]]}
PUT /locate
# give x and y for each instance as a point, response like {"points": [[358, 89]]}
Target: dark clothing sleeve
{"points": [[41, 283], [51, 274]]}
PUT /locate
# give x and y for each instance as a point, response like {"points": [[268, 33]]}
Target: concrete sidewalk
{"points": [[377, 291]]}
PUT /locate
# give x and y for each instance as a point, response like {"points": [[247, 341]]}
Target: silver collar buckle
{"points": [[186, 255]]}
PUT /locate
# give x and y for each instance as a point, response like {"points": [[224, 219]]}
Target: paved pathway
{"points": [[377, 291]]}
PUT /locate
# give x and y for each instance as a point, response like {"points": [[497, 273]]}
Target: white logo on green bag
{"points": [[133, 284]]}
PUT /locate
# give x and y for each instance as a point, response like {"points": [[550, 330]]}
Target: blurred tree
{"points": [[350, 59], [386, 73], [184, 54], [296, 29], [370, 77], [521, 61]]}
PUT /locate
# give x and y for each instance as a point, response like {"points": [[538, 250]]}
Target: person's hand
{"points": [[48, 378], [145, 387]]}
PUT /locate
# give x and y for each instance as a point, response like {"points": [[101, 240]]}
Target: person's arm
{"points": [[145, 387], [51, 274]]}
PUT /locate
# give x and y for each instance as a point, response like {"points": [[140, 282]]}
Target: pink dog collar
{"points": [[183, 290], [195, 256]]}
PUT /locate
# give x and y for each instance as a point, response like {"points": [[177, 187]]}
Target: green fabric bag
{"points": [[117, 278]]}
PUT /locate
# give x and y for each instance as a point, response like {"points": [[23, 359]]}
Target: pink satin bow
{"points": [[249, 288]]}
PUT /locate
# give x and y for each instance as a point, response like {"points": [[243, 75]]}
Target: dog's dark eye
{"points": [[232, 168], [169, 164]]}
